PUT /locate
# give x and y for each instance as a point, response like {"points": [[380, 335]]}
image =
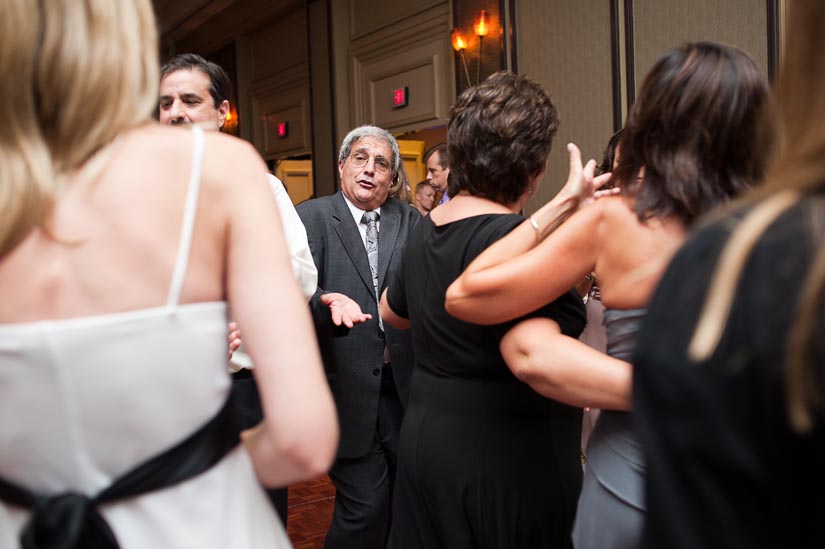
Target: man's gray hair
{"points": [[371, 131]]}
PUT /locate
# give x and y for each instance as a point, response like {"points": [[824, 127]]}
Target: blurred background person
{"points": [[400, 187], [730, 365], [692, 141], [424, 197], [484, 461], [117, 259], [438, 171]]}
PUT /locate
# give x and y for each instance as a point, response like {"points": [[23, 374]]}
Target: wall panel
{"points": [[659, 25], [366, 16], [414, 52], [419, 70], [566, 46], [279, 46]]}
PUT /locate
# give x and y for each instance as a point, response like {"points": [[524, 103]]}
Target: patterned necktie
{"points": [[370, 220]]}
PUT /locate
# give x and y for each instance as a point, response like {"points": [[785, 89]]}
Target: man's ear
{"points": [[223, 110]]}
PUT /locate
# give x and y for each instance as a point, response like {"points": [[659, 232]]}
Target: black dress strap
{"points": [[71, 520]]}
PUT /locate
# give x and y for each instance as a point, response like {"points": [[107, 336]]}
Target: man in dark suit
{"points": [[368, 365]]}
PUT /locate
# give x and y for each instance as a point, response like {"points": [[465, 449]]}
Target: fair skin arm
{"points": [[565, 369], [299, 435], [389, 316], [517, 273], [514, 276]]}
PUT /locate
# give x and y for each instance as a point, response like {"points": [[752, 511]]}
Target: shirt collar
{"points": [[358, 213]]}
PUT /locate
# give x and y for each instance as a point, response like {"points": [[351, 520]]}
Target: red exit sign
{"points": [[400, 97]]}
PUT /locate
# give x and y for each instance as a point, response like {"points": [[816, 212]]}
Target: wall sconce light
{"points": [[482, 24], [230, 124], [459, 42], [481, 27]]}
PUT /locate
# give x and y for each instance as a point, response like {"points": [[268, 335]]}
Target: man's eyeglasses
{"points": [[359, 160]]}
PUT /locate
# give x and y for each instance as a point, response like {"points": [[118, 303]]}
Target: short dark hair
{"points": [[443, 158], [422, 185], [219, 86], [609, 155], [698, 129], [499, 135]]}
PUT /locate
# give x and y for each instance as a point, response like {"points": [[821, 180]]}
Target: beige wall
{"points": [[659, 25], [566, 46]]}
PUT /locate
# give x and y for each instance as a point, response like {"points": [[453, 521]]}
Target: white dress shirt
{"points": [[302, 264], [357, 214]]}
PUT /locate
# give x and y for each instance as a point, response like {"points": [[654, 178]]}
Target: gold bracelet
{"points": [[536, 227]]}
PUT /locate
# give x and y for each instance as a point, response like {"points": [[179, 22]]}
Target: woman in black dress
{"points": [[484, 461], [730, 364]]}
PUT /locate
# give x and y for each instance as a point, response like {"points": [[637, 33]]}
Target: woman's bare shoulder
{"points": [[227, 160]]}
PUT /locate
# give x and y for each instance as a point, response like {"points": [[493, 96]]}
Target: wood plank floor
{"points": [[309, 512]]}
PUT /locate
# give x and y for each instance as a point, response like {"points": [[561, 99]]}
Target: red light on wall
{"points": [[400, 97], [283, 129]]}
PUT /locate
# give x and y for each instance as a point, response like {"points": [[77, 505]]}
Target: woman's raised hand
{"points": [[580, 183]]}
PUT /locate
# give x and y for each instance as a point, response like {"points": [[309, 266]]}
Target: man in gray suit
{"points": [[357, 238]]}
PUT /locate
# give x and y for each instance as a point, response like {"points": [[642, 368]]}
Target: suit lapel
{"points": [[350, 238], [387, 237]]}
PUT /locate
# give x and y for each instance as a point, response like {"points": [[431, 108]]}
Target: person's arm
{"points": [[389, 316], [330, 310], [296, 239], [530, 267], [299, 435], [500, 285], [565, 369], [397, 314]]}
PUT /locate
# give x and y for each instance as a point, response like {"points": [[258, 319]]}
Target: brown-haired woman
{"points": [[691, 142], [730, 367], [483, 460]]}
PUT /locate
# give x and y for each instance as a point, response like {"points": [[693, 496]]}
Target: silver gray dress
{"points": [[611, 506]]}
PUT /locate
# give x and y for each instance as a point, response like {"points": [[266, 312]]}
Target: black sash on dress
{"points": [[71, 520]]}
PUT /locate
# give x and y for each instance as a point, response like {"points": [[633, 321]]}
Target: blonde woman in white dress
{"points": [[121, 245]]}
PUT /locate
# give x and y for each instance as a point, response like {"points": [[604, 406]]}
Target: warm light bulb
{"points": [[482, 24], [458, 39]]}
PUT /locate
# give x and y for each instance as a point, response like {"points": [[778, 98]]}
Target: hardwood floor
{"points": [[309, 512]]}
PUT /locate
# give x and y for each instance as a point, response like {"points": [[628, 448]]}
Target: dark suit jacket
{"points": [[353, 358]]}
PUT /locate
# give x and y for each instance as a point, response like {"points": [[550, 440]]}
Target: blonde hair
{"points": [[400, 188], [75, 74], [798, 170]]}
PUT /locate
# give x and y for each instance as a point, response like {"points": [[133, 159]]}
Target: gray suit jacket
{"points": [[353, 358]]}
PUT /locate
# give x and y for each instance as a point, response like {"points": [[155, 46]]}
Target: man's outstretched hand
{"points": [[344, 310]]}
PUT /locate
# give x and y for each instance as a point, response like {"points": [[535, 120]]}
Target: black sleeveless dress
{"points": [[484, 461]]}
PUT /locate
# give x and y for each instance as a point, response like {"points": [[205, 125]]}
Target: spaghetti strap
{"points": [[188, 225]]}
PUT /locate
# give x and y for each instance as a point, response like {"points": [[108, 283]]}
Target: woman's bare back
{"points": [[632, 255], [116, 234]]}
